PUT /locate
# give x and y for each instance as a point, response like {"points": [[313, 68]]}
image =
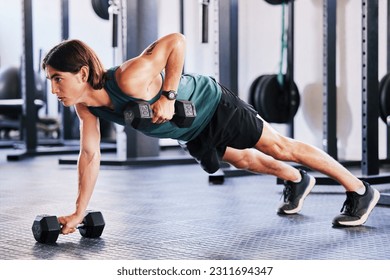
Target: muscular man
{"points": [[225, 128]]}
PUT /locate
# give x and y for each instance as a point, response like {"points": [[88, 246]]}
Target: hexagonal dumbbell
{"points": [[185, 113], [139, 114], [46, 228]]}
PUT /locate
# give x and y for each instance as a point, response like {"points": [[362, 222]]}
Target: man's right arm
{"points": [[88, 166]]}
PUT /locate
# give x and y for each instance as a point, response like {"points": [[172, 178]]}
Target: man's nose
{"points": [[54, 89]]}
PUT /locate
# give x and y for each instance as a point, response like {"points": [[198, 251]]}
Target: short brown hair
{"points": [[71, 55]]}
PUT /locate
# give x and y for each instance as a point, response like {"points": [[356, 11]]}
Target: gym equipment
{"points": [[329, 128], [46, 228], [370, 162], [9, 83], [11, 95], [276, 97], [276, 2], [185, 113], [275, 102], [384, 97], [11, 102], [139, 114], [226, 43], [101, 8]]}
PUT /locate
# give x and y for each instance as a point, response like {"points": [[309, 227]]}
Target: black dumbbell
{"points": [[185, 113], [46, 228], [139, 114]]}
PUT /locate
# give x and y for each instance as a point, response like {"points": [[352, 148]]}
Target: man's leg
{"points": [[298, 183], [287, 149], [361, 197], [275, 148], [258, 162]]}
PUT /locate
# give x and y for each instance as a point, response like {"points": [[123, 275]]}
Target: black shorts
{"points": [[234, 124]]}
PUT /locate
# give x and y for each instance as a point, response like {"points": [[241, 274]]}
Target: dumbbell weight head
{"points": [[93, 225], [137, 113], [46, 229], [185, 113]]}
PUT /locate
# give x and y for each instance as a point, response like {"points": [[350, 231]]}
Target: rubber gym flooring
{"points": [[172, 212]]}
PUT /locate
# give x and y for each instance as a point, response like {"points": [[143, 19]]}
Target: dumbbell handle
{"points": [[145, 111], [78, 227]]}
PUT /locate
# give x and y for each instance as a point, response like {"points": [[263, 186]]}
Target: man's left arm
{"points": [[170, 48]]}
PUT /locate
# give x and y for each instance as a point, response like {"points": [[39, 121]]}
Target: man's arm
{"points": [[169, 52], [88, 167], [139, 75]]}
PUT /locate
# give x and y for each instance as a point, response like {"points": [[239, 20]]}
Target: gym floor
{"points": [[172, 212]]}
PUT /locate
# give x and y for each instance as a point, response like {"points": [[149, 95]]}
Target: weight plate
{"points": [[276, 2], [384, 97], [274, 103], [101, 8]]}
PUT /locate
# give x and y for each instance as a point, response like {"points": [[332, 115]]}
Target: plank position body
{"points": [[225, 128]]}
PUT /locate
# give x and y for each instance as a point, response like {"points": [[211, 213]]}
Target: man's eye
{"points": [[57, 80]]}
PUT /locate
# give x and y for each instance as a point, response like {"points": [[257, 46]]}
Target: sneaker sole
{"points": [[364, 218], [305, 194]]}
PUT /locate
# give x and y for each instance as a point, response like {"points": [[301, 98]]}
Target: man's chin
{"points": [[66, 104]]}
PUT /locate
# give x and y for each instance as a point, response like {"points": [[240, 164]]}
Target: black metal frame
{"points": [[290, 56], [388, 71], [228, 44], [28, 80], [66, 112], [141, 31], [329, 135], [370, 92], [385, 197], [205, 21], [229, 68]]}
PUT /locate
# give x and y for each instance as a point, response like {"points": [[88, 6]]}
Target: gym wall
{"points": [[259, 52]]}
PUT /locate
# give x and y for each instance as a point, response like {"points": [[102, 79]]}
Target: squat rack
{"points": [[370, 163]]}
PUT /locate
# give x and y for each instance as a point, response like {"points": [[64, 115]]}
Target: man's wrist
{"points": [[170, 94]]}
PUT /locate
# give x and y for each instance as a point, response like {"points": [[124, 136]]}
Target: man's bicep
{"points": [[89, 129]]}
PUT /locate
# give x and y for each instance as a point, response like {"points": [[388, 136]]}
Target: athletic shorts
{"points": [[234, 124]]}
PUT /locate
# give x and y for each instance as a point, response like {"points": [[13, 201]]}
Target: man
{"points": [[225, 128]]}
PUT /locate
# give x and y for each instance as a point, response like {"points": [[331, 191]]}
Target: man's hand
{"points": [[69, 223], [163, 110]]}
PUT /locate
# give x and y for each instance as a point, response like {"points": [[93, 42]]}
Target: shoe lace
{"points": [[287, 192], [350, 204]]}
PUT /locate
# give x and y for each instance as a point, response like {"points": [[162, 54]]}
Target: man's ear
{"points": [[84, 72]]}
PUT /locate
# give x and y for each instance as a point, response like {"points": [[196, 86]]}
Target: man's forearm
{"points": [[175, 63], [88, 170]]}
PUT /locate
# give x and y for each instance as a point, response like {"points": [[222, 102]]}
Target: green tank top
{"points": [[203, 91]]}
